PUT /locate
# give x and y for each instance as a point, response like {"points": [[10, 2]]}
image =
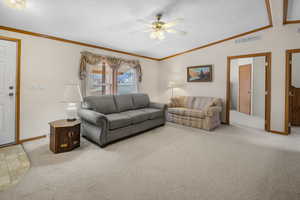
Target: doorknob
{"points": [[11, 87], [10, 94]]}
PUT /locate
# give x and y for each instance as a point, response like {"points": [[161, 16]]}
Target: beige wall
{"points": [[46, 66], [275, 40]]}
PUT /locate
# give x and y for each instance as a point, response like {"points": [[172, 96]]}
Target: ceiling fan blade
{"points": [[173, 23], [176, 31], [147, 30], [149, 24]]}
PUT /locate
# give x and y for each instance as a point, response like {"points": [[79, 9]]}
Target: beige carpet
{"points": [[14, 164], [171, 162]]}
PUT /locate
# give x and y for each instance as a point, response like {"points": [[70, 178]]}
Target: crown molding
{"points": [[268, 9], [218, 42], [285, 13], [72, 42]]}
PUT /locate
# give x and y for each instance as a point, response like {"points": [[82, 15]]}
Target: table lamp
{"points": [[72, 96]]}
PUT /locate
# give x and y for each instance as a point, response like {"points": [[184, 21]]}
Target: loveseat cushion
{"points": [[103, 104], [124, 102], [136, 116], [187, 112], [140, 100], [153, 113], [203, 103], [118, 120]]}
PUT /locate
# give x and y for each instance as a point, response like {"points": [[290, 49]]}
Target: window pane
{"points": [[126, 81], [94, 80]]}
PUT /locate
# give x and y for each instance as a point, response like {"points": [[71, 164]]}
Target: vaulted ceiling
{"points": [[115, 23]]}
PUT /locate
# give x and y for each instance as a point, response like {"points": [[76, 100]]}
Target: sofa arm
{"points": [[91, 116], [211, 111], [160, 106]]}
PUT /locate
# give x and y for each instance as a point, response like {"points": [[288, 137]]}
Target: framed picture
{"points": [[201, 73]]}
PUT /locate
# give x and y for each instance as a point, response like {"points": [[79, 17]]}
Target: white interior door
{"points": [[8, 53]]}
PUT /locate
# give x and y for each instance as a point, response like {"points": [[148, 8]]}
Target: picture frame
{"points": [[201, 73]]}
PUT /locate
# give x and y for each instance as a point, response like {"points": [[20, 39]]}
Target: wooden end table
{"points": [[64, 135]]}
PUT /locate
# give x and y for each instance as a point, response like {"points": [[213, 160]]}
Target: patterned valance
{"points": [[113, 62]]}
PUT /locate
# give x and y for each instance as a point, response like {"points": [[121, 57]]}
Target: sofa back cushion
{"points": [[124, 102], [202, 103], [140, 100], [103, 104], [195, 102], [188, 102], [182, 101]]}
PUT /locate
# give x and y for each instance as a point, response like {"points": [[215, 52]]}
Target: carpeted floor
{"points": [[170, 162]]}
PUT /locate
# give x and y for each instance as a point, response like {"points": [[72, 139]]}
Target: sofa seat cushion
{"points": [[153, 113], [136, 116], [118, 120], [187, 112]]}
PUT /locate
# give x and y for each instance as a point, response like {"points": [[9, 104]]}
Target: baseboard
{"points": [[279, 132], [33, 138]]}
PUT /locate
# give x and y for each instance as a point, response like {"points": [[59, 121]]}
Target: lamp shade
{"points": [[72, 94]]}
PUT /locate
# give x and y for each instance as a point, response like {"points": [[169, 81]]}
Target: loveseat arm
{"points": [[91, 116], [160, 106], [213, 110]]}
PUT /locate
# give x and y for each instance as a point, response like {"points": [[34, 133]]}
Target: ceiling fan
{"points": [[158, 28]]}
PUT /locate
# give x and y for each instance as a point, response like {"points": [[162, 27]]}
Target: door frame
{"points": [[288, 70], [268, 56], [18, 88]]}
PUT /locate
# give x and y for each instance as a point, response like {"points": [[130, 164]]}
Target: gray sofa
{"points": [[108, 118]]}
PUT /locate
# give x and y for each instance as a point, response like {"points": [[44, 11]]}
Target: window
{"points": [[95, 78], [126, 80], [99, 80], [102, 80]]}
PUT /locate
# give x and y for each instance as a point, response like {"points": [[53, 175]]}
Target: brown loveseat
{"points": [[197, 112]]}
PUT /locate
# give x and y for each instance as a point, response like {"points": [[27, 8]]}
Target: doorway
{"points": [[292, 116], [9, 90], [244, 86], [249, 90]]}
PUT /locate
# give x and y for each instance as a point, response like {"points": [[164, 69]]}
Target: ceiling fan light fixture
{"points": [[158, 28], [157, 35], [16, 4]]}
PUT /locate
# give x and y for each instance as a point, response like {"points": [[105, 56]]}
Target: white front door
{"points": [[8, 56]]}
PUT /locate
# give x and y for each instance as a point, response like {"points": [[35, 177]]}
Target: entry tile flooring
{"points": [[14, 164]]}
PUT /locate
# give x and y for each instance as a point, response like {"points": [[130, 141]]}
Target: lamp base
{"points": [[71, 112], [71, 120]]}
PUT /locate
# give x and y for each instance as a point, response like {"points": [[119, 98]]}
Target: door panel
{"points": [[245, 89], [8, 52], [295, 106]]}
